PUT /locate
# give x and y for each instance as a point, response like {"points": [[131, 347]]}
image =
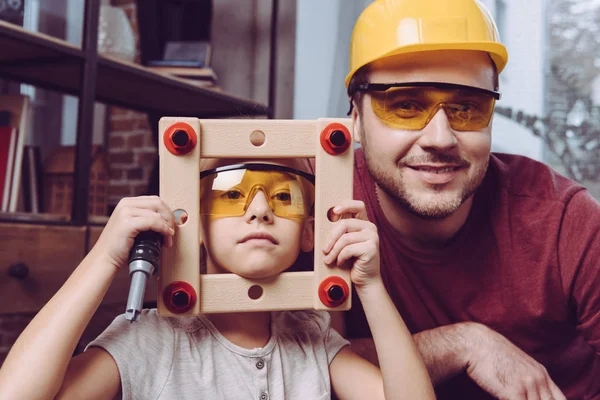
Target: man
{"points": [[493, 260]]}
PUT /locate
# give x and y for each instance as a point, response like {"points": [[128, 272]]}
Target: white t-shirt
{"points": [[187, 358]]}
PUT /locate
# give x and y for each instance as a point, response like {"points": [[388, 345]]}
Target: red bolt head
{"points": [[329, 283], [335, 138], [179, 297], [180, 138]]}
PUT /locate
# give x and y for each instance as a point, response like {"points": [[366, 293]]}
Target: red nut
{"points": [[333, 291], [180, 138], [335, 138], [179, 297]]}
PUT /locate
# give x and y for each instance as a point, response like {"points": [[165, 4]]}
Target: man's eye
{"points": [[464, 107], [406, 106]]}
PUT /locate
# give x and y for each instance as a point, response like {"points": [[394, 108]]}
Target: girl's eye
{"points": [[233, 194], [283, 196]]}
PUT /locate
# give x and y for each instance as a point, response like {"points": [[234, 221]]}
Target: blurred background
{"points": [[83, 84]]}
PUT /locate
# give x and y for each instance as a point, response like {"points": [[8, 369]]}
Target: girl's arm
{"points": [[403, 374], [40, 359]]}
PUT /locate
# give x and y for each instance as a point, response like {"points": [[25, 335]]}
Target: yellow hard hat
{"points": [[390, 27]]}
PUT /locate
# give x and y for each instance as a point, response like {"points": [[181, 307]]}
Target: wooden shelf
{"points": [[54, 64], [39, 59], [133, 86]]}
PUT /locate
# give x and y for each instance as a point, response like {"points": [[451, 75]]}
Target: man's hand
{"points": [[505, 371]]}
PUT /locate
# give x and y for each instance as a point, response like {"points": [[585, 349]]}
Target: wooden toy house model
{"points": [[59, 171]]}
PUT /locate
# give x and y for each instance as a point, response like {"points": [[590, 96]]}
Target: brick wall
{"points": [[131, 153], [130, 148]]}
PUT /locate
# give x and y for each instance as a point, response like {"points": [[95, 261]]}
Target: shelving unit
{"points": [[54, 64], [41, 251], [50, 63]]}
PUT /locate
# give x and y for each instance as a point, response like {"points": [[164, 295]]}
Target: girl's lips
{"points": [[259, 237]]}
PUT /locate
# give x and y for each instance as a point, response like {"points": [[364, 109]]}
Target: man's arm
{"points": [[579, 263], [491, 360], [445, 349], [442, 349]]}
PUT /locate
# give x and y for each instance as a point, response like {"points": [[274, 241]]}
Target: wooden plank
{"points": [[180, 190], [283, 138], [229, 292], [333, 181]]}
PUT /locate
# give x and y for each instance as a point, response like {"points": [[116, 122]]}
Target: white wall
{"points": [[522, 83], [316, 34], [323, 30]]}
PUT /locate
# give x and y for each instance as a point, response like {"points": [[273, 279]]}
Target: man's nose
{"points": [[259, 209], [438, 135]]}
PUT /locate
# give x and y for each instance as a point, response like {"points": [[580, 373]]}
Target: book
{"points": [[8, 142], [18, 106], [185, 72], [175, 63], [197, 51]]}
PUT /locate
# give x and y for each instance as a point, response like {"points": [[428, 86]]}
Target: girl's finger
{"points": [[152, 223], [361, 250], [345, 240], [153, 203], [342, 227], [356, 208]]}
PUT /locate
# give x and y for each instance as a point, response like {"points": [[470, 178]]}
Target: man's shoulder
{"points": [[524, 177]]}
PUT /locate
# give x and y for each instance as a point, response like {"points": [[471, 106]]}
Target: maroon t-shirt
{"points": [[526, 264]]}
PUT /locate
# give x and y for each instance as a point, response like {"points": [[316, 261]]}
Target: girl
{"points": [[255, 221]]}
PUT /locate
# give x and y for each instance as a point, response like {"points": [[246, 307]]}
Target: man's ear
{"points": [[308, 234], [355, 122]]}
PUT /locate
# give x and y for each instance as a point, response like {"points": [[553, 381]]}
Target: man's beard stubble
{"points": [[434, 209]]}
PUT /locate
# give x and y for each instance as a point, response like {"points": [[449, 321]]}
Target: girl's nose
{"points": [[259, 209]]}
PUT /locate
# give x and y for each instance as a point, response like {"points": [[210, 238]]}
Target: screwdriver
{"points": [[143, 261]]}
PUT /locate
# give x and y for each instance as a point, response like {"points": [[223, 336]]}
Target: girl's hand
{"points": [[132, 216], [354, 239]]}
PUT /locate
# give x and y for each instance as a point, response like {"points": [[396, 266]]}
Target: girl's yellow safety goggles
{"points": [[228, 191], [411, 105]]}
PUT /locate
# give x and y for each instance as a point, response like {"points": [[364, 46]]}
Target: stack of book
{"points": [[189, 61], [195, 75]]}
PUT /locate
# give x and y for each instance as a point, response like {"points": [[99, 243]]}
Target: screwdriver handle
{"points": [[143, 261]]}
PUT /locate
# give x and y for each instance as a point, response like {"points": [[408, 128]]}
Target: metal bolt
{"points": [[337, 138], [180, 138], [335, 293], [181, 298]]}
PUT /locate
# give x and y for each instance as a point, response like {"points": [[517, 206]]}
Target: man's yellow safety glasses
{"points": [[412, 105]]}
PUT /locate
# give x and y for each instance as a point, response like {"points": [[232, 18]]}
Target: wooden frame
{"points": [[180, 189]]}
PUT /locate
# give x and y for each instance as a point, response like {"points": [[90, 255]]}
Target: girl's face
{"points": [[267, 233]]}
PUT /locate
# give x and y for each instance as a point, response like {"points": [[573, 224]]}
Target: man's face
{"points": [[433, 171]]}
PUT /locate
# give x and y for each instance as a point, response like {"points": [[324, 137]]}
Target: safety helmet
{"points": [[390, 27]]}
